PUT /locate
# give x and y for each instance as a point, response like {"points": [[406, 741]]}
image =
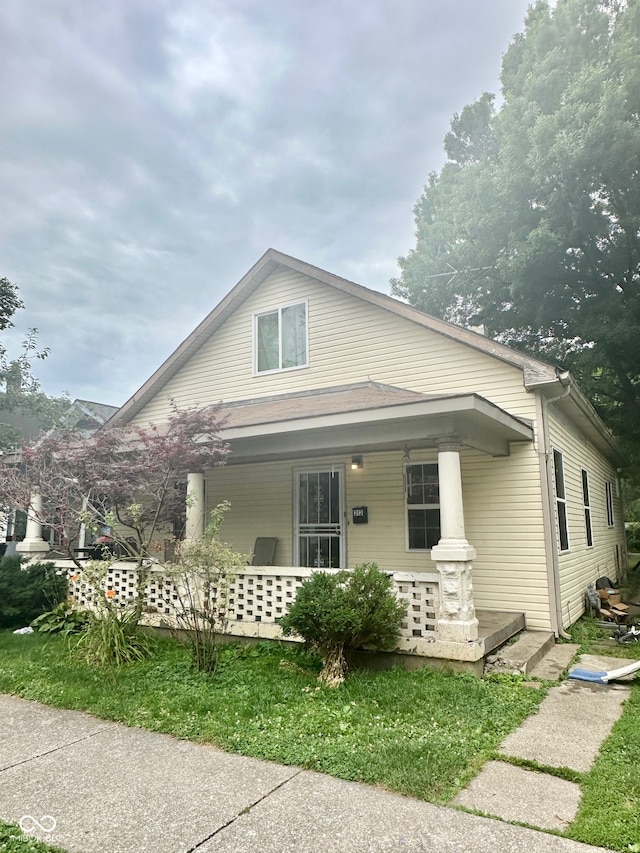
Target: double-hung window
{"points": [[561, 500], [608, 493], [423, 506], [280, 338], [586, 500]]}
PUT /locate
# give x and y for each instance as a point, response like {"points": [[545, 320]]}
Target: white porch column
{"points": [[195, 507], [456, 617], [33, 543]]}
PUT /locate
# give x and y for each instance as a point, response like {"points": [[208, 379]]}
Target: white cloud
{"points": [[153, 150]]}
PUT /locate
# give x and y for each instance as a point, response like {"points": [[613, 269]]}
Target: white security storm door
{"points": [[319, 534]]}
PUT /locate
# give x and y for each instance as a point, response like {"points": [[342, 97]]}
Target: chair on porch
{"points": [[264, 550]]}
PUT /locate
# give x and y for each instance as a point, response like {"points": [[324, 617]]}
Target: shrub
{"points": [[27, 591], [202, 580], [347, 609]]}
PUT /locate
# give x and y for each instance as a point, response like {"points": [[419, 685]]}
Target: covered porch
{"points": [[354, 427], [259, 596]]}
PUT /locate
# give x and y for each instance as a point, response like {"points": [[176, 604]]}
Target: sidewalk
{"points": [[96, 786]]}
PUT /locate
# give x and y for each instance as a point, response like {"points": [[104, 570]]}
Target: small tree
{"points": [[345, 610], [202, 580], [126, 478]]}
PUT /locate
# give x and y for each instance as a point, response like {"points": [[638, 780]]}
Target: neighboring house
{"points": [[363, 430], [82, 415], [86, 417]]}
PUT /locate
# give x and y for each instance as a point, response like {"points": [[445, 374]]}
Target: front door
{"points": [[319, 536]]}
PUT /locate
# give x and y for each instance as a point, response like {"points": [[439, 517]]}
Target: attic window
{"points": [[280, 338]]}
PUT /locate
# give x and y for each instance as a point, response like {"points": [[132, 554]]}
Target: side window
{"points": [[423, 506], [280, 338], [561, 500], [608, 491], [586, 500]]}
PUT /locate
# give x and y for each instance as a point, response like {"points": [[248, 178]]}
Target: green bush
{"points": [[345, 610], [27, 591], [198, 587]]}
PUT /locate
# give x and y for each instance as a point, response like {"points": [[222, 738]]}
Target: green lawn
{"points": [[422, 733]]}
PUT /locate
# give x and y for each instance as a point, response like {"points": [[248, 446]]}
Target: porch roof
{"points": [[363, 417]]}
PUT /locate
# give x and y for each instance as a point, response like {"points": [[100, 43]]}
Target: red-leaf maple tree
{"points": [[127, 478]]}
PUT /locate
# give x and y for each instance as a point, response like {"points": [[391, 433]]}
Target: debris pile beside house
{"points": [[612, 608]]}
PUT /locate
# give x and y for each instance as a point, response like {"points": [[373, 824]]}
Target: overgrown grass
{"points": [[13, 840], [423, 733], [609, 813]]}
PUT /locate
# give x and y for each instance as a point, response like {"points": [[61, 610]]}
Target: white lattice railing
{"points": [[257, 598]]}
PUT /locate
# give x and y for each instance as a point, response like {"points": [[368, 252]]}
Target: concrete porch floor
{"points": [[495, 627]]}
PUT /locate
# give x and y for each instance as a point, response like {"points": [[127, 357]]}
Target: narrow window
{"points": [[608, 491], [423, 506], [561, 500], [281, 338], [586, 500]]}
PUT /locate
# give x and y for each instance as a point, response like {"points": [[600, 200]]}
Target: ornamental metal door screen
{"points": [[319, 519]]}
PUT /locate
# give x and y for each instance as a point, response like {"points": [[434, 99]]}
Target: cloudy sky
{"points": [[152, 150]]}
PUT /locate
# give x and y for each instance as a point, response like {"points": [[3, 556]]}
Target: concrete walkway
{"points": [[572, 723], [90, 786]]}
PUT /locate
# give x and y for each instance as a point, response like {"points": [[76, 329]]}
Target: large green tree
{"points": [[532, 226]]}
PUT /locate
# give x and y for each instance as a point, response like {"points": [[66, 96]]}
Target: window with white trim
{"points": [[280, 338], [423, 506], [586, 501], [608, 492], [561, 500]]}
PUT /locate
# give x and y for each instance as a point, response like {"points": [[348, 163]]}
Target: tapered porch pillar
{"points": [[456, 617], [194, 528], [33, 543]]}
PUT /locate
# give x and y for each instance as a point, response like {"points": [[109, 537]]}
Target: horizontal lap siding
{"points": [[350, 340], [504, 523], [261, 498], [261, 505], [509, 572], [582, 565]]}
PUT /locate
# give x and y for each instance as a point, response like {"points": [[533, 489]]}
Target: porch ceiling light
{"points": [[356, 463]]}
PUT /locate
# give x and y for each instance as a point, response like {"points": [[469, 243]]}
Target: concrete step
{"points": [[525, 653], [556, 661]]}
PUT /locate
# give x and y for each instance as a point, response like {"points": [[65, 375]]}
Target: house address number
{"points": [[360, 515]]}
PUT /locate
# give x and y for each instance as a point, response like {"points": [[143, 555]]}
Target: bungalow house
{"points": [[363, 430]]}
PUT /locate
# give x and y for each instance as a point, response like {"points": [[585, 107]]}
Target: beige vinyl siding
{"points": [[350, 340], [504, 523], [262, 495], [581, 565], [502, 514]]}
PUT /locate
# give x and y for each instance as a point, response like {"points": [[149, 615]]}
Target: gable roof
{"points": [[537, 371]]}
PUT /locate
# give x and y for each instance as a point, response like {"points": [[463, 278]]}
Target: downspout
{"points": [[548, 501]]}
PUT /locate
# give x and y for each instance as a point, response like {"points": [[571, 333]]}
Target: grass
{"points": [[609, 814], [424, 733]]}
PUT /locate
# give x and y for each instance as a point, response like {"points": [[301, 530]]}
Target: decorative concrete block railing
{"points": [[258, 597]]}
